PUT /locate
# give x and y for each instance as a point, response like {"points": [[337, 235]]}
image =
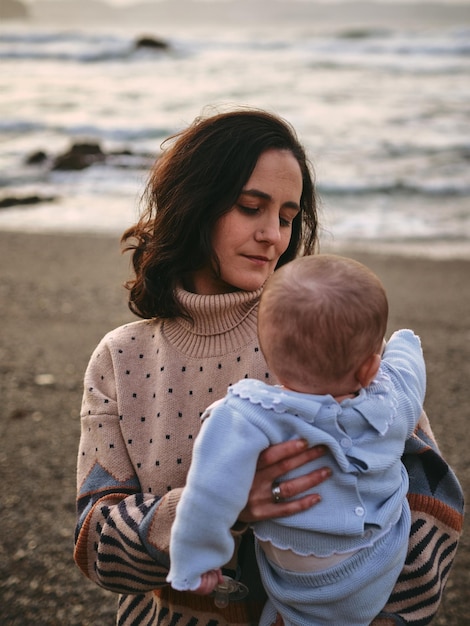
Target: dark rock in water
{"points": [[10, 201], [123, 152], [13, 10], [36, 157], [151, 42], [79, 156]]}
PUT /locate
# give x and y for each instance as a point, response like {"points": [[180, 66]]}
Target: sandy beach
{"points": [[58, 295]]}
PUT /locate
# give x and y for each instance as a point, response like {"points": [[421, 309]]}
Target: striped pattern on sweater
{"points": [[137, 436], [436, 501], [146, 385]]}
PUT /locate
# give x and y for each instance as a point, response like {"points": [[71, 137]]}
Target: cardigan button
{"points": [[359, 511]]}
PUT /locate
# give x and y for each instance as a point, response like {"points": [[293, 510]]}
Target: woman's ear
{"points": [[368, 370]]}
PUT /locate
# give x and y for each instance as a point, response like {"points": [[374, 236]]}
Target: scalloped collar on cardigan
{"points": [[377, 404]]}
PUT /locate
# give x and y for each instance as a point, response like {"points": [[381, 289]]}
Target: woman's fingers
{"points": [[260, 507], [293, 487], [283, 457], [273, 463], [283, 509]]}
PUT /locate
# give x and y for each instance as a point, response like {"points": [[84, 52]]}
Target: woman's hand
{"points": [[274, 462]]}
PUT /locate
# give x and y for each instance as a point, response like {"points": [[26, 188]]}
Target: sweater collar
{"points": [[221, 323]]}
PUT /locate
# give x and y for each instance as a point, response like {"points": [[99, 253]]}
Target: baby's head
{"points": [[320, 318]]}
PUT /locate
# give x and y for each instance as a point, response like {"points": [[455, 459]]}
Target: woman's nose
{"points": [[268, 231]]}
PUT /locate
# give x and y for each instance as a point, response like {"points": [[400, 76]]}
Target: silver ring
{"points": [[276, 491]]}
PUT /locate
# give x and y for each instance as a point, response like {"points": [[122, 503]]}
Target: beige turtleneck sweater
{"points": [[146, 387]]}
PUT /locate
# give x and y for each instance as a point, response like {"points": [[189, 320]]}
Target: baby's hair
{"points": [[320, 318]]}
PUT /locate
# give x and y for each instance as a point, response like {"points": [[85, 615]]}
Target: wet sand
{"points": [[58, 295]]}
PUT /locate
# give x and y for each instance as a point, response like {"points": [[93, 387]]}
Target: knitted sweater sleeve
{"points": [[219, 481], [122, 535], [436, 502], [403, 357]]}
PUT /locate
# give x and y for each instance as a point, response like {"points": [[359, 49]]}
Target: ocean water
{"points": [[379, 93]]}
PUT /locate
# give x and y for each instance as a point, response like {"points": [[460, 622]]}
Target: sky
{"points": [[118, 3]]}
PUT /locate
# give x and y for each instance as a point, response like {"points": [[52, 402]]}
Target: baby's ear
{"points": [[368, 370]]}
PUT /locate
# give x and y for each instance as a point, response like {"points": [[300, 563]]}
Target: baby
{"points": [[321, 324]]}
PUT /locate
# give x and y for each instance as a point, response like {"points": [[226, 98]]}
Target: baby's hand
{"points": [[209, 582]]}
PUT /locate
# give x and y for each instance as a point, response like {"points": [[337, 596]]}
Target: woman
{"points": [[231, 199]]}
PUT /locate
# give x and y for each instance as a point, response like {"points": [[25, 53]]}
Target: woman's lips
{"points": [[259, 260]]}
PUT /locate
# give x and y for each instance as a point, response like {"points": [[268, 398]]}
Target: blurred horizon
{"points": [[277, 14]]}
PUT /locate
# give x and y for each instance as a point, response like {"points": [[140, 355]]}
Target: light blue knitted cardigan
{"points": [[365, 436]]}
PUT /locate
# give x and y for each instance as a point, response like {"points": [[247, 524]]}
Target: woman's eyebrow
{"points": [[257, 193]]}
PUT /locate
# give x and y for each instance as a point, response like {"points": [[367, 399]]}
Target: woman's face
{"points": [[250, 238]]}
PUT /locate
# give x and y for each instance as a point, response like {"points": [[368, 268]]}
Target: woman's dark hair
{"points": [[197, 179]]}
